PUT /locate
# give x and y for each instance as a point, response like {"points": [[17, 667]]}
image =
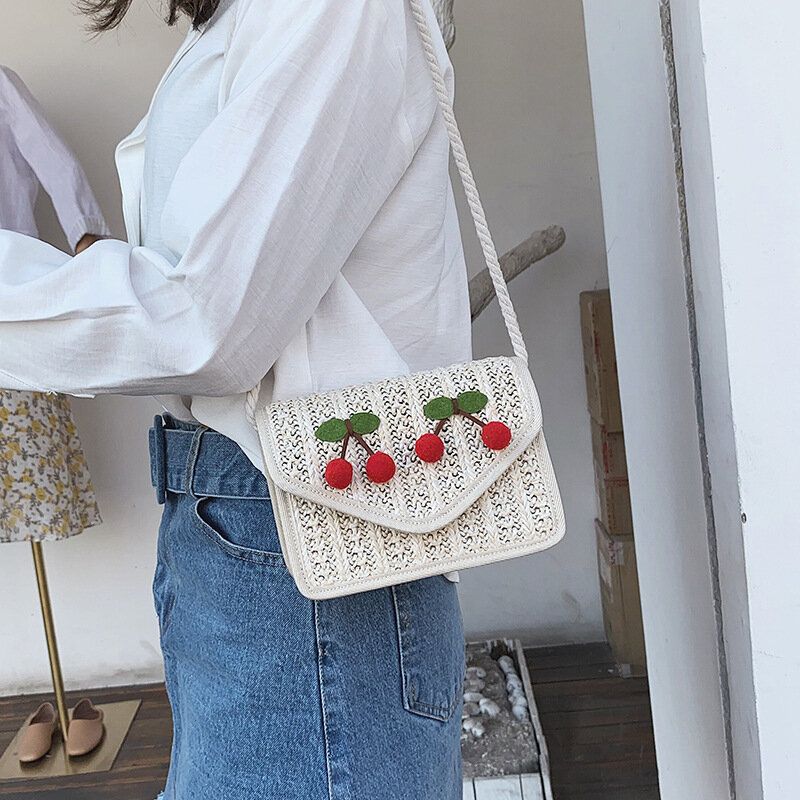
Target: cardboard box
{"points": [[609, 451], [600, 360], [619, 591], [614, 503]]}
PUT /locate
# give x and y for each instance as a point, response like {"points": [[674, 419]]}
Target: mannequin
{"points": [[45, 488]]}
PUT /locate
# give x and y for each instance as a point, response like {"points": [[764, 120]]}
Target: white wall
{"points": [[657, 387], [524, 102], [743, 170], [709, 296]]}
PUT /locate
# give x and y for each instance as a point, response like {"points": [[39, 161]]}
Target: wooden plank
{"points": [[577, 672], [508, 788], [568, 655], [468, 792], [593, 693], [638, 733], [532, 787], [541, 743], [596, 716]]}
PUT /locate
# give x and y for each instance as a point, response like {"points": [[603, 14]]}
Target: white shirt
{"points": [[289, 213], [32, 154]]}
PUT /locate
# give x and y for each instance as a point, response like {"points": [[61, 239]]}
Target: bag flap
{"points": [[421, 497]]}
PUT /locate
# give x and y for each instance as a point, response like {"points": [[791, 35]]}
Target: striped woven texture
{"points": [[330, 546]]}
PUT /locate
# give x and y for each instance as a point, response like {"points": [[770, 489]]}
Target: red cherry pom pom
{"points": [[429, 447], [496, 435], [380, 467], [339, 473]]}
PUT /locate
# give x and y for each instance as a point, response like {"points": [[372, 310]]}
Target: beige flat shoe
{"points": [[37, 737], [85, 729]]}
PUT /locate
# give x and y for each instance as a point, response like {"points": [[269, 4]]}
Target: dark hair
{"points": [[108, 14]]}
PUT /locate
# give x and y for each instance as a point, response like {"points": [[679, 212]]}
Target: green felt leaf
{"points": [[364, 423], [334, 430], [472, 402], [439, 408]]}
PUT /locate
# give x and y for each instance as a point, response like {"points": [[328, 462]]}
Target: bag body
{"points": [[478, 488], [473, 506]]}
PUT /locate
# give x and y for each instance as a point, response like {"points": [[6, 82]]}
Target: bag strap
{"points": [[470, 190], [468, 179]]}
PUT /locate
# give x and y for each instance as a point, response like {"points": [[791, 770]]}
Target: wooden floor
{"points": [[597, 727]]}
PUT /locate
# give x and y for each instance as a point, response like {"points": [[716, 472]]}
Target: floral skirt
{"points": [[45, 488]]}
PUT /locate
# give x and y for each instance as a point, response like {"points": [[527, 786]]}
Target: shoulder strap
{"points": [[467, 178], [470, 190]]}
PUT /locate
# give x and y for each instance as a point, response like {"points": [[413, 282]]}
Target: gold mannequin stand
{"points": [[117, 717]]}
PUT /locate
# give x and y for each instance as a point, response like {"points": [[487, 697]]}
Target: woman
{"points": [[289, 214]]}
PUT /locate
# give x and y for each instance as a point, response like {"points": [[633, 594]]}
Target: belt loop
{"points": [[192, 458], [158, 457]]}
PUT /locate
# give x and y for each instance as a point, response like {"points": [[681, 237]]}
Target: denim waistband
{"points": [[187, 458]]}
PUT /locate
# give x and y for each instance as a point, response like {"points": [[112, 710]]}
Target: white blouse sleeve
{"points": [[51, 160], [264, 210]]}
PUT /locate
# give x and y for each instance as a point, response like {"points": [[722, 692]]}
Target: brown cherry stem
{"points": [[358, 437], [462, 413], [345, 442], [439, 425], [471, 418]]}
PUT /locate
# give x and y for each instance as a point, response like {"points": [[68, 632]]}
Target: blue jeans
{"points": [[277, 697]]}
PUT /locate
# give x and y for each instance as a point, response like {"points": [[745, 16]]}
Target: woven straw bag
{"points": [[484, 500]]}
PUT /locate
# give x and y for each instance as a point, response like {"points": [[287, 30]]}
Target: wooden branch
{"points": [[540, 245]]}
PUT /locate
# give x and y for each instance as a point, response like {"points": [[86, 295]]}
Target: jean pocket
{"points": [[431, 643], [244, 529]]}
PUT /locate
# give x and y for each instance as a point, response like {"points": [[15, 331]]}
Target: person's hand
{"points": [[87, 240]]}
